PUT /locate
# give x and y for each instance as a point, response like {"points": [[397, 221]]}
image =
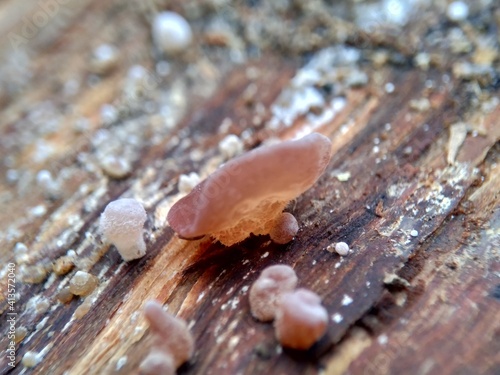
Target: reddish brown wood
{"points": [[401, 302]]}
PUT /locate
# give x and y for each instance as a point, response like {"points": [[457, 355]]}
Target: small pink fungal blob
{"points": [[285, 229], [301, 320], [248, 194], [157, 362], [121, 223], [171, 334], [268, 288]]}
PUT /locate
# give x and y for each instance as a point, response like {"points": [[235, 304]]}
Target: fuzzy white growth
{"points": [[342, 248], [104, 59], [187, 182], [230, 146], [457, 11], [21, 253], [47, 183], [121, 224], [30, 359], [171, 32], [109, 114], [20, 248]]}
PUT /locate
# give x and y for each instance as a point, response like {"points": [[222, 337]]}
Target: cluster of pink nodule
{"points": [[299, 318], [173, 343]]}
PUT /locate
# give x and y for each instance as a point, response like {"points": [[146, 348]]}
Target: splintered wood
{"points": [[411, 107]]}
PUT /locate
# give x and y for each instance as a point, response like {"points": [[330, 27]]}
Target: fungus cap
{"points": [[247, 194], [172, 334], [267, 289], [285, 229], [121, 223], [342, 248], [171, 32], [301, 320]]}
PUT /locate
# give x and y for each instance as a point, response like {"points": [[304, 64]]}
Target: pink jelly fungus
{"points": [[171, 334], [301, 320], [248, 194], [285, 229], [157, 362], [268, 288]]}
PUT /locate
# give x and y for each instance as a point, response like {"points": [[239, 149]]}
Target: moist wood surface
{"points": [[418, 294]]}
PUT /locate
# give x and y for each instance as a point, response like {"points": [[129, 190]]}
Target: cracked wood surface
{"points": [[421, 302]]}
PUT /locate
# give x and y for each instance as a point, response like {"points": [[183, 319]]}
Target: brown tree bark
{"points": [[420, 291]]}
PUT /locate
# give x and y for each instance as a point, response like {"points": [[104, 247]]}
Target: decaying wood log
{"points": [[412, 187]]}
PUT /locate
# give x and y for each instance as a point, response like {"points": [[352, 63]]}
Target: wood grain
{"points": [[419, 294]]}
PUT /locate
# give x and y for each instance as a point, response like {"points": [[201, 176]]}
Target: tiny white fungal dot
{"points": [[39, 210], [122, 361], [171, 32], [414, 233], [457, 11], [344, 176], [30, 359], [109, 114], [382, 339], [342, 248], [389, 87], [337, 318], [230, 146], [188, 182], [104, 59], [346, 300], [44, 178], [20, 248], [423, 61]]}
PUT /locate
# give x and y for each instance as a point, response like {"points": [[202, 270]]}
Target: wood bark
{"points": [[419, 293]]}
